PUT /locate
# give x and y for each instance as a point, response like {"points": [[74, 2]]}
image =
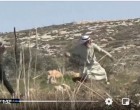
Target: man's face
{"points": [[88, 43]]}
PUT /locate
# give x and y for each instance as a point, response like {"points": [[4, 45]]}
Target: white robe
{"points": [[86, 56]]}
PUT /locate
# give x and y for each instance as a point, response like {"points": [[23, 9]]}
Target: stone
{"points": [[104, 40], [55, 73], [66, 87], [51, 80], [58, 88], [63, 87], [74, 74]]}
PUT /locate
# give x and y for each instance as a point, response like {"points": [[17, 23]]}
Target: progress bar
{"points": [[55, 101], [9, 101]]}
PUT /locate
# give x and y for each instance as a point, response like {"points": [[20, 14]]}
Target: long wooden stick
{"points": [[92, 91], [15, 45]]}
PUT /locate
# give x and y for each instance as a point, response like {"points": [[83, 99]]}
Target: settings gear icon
{"points": [[108, 101]]}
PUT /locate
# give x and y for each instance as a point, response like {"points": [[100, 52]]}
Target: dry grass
{"points": [[124, 83], [38, 89]]}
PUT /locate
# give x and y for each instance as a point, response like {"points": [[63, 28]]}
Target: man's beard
{"points": [[88, 45]]}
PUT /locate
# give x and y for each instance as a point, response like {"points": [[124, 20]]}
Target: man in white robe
{"points": [[84, 55]]}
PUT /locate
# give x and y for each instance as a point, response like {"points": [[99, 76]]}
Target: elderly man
{"points": [[3, 78], [84, 54]]}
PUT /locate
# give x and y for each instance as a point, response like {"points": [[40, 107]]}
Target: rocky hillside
{"points": [[121, 38], [121, 34]]}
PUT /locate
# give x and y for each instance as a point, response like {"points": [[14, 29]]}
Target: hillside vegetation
{"points": [[38, 53]]}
